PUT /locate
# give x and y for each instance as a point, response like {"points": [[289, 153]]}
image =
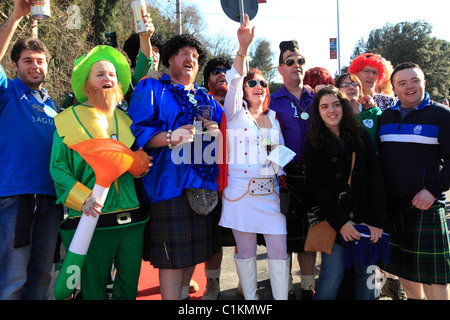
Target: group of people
{"points": [[209, 177]]}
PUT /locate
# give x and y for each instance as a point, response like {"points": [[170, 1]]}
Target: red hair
{"points": [[316, 76], [251, 75], [372, 60]]}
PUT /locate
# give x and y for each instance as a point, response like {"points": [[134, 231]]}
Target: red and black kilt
{"points": [[422, 253], [177, 237]]}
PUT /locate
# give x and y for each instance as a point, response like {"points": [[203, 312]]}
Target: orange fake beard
{"points": [[104, 100]]}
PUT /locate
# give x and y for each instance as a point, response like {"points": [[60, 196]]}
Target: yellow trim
{"points": [[77, 196], [72, 132]]}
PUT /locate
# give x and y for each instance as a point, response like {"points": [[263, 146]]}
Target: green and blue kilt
{"points": [[422, 253], [177, 237]]}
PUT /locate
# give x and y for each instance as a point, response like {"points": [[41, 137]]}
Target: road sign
{"points": [[333, 48], [233, 9]]}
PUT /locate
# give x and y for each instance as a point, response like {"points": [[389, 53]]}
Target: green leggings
{"points": [[122, 246]]}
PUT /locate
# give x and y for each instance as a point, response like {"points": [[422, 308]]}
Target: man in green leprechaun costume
{"points": [[99, 81]]}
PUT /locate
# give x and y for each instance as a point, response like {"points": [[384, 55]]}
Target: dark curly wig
{"points": [[212, 64], [350, 130], [177, 42], [131, 46]]}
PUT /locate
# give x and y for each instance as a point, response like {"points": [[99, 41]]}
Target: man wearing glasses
{"points": [[372, 70], [292, 103], [214, 77]]}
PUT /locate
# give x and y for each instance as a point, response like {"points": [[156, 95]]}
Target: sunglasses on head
{"points": [[253, 83], [218, 71], [290, 62]]}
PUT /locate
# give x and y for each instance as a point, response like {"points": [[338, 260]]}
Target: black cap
{"points": [[291, 45]]}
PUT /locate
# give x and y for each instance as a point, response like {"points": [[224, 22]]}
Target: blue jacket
{"points": [[26, 135], [415, 151], [154, 109]]}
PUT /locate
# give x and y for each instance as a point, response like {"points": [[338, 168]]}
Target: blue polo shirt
{"points": [[26, 135]]}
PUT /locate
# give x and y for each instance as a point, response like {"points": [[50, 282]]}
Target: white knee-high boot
{"points": [[246, 269], [279, 278]]}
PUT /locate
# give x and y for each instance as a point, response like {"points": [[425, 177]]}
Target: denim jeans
{"points": [[25, 272], [332, 271]]}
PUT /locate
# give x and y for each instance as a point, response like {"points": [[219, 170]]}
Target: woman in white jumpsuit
{"points": [[251, 199]]}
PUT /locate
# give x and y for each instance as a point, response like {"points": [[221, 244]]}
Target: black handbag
{"points": [[285, 200]]}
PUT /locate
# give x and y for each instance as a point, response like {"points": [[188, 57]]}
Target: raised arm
{"points": [[245, 36], [235, 76], [7, 29]]}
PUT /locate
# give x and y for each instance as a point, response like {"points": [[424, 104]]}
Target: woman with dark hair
{"points": [[335, 134], [250, 201]]}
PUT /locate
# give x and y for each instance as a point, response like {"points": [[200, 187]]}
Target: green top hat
{"points": [[84, 63]]}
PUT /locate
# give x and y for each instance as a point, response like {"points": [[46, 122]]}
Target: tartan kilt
{"points": [[297, 222], [177, 237], [422, 253]]}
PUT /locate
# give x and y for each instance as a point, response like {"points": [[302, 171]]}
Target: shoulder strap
{"points": [[351, 170]]}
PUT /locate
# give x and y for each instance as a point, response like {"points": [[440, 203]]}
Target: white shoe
{"points": [[279, 278], [246, 269]]}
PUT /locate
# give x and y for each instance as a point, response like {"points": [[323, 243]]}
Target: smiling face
{"points": [[330, 110], [255, 96], [351, 89], [103, 75], [102, 88], [183, 66], [31, 68], [409, 86], [217, 83]]}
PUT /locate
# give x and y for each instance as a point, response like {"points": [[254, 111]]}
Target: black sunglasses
{"points": [[217, 71], [290, 62], [253, 83]]}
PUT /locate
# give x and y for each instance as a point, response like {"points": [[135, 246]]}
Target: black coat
{"points": [[327, 173]]}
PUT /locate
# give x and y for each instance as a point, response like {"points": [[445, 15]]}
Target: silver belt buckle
{"points": [[123, 218]]}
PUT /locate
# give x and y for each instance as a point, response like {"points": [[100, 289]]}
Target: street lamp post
{"points": [[338, 40]]}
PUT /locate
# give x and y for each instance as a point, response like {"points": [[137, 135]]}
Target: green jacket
{"points": [[369, 120], [72, 175]]}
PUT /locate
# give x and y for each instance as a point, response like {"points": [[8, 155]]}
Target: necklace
{"points": [[304, 115], [265, 141], [187, 103], [192, 97]]}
